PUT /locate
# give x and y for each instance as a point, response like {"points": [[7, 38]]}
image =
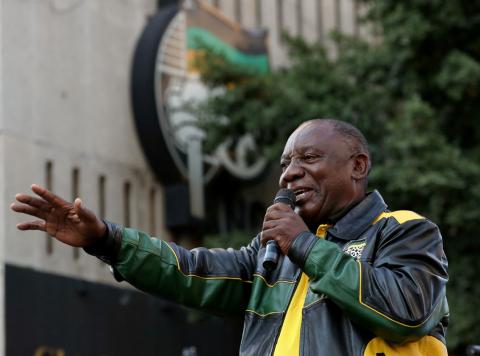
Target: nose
{"points": [[291, 173]]}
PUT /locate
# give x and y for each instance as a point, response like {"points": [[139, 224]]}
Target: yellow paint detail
{"points": [[402, 216], [288, 343], [192, 56], [426, 346]]}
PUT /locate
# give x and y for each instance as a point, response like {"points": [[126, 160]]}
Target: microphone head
{"points": [[285, 196]]}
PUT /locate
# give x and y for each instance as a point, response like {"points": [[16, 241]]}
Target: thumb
{"points": [[82, 212], [96, 227]]}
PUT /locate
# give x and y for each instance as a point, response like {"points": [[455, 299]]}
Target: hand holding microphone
{"points": [[280, 227]]}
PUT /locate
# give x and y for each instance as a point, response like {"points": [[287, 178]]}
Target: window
{"points": [[356, 15], [153, 211], [49, 186], [320, 33], [126, 203], [238, 11], [258, 13], [75, 194], [102, 206], [102, 200], [299, 10], [338, 15], [280, 24]]}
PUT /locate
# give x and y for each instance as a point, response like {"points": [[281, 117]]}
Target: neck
{"points": [[332, 219]]}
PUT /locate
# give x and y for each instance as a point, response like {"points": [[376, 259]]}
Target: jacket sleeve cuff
{"points": [[108, 247], [301, 247]]}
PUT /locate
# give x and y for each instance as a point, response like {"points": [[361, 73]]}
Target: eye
{"points": [[284, 165], [310, 157]]}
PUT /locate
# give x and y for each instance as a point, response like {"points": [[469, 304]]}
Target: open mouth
{"points": [[301, 194]]}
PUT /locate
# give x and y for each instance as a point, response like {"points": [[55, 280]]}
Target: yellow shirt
{"points": [[288, 343]]}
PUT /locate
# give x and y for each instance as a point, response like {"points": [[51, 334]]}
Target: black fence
{"points": [[50, 315]]}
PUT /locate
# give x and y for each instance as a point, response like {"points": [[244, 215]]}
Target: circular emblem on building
{"points": [[166, 86]]}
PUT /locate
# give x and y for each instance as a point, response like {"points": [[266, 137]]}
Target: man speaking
{"points": [[353, 278]]}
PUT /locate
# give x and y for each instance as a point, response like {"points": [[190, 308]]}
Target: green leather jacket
{"points": [[377, 283]]}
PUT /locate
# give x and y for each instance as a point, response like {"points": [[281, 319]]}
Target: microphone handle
{"points": [[272, 255], [272, 251]]}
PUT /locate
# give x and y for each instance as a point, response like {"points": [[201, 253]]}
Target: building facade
{"points": [[66, 122]]}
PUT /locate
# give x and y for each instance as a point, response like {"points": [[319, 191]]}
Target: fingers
{"points": [[277, 211], [73, 217], [32, 225], [27, 209], [30, 210], [273, 216], [37, 203], [269, 224], [279, 207], [267, 234], [48, 195], [284, 242]]}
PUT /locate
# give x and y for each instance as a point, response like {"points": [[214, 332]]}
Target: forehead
{"points": [[314, 136]]}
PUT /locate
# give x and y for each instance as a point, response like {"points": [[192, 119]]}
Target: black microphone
{"points": [[270, 260]]}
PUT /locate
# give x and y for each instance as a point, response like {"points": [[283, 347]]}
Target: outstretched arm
{"points": [[216, 280]]}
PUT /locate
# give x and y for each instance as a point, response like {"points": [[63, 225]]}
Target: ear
{"points": [[361, 165]]}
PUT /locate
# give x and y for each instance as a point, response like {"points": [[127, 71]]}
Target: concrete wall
{"points": [[66, 79], [3, 219]]}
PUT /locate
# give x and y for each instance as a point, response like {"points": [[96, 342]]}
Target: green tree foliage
{"points": [[415, 93]]}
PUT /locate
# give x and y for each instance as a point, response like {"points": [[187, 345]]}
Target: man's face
{"points": [[317, 165]]}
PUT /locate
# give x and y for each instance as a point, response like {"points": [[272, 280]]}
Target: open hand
{"points": [[69, 223]]}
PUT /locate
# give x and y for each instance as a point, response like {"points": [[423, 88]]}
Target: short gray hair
{"points": [[354, 138]]}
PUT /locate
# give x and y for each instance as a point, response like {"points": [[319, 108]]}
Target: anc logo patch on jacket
{"points": [[355, 248]]}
